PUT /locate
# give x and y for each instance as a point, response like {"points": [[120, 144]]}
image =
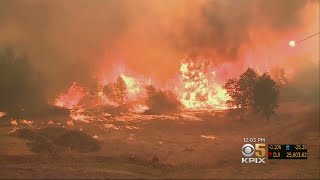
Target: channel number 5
{"points": [[260, 150], [248, 150]]}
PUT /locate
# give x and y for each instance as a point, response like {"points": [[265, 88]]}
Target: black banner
{"points": [[287, 151]]}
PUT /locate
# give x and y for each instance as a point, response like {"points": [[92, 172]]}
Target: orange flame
{"points": [[133, 86], [71, 98], [201, 91]]}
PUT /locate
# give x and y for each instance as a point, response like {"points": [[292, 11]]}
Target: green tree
{"points": [[265, 96], [241, 91]]}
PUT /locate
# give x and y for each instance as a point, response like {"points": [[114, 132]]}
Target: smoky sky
{"points": [[70, 40], [226, 24]]}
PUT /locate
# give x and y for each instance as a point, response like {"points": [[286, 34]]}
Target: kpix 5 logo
{"points": [[253, 154]]}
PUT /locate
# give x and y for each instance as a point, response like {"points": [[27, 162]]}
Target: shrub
{"points": [[54, 140], [78, 141], [161, 102]]}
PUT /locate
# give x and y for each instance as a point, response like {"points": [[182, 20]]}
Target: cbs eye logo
{"points": [[248, 150]]}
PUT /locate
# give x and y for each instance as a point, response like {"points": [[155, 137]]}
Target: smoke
{"points": [[225, 25], [72, 40]]}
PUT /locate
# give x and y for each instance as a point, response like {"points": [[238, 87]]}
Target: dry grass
{"points": [[175, 149]]}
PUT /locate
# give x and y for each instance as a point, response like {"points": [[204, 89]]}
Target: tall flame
{"points": [[201, 91], [133, 86], [71, 98]]}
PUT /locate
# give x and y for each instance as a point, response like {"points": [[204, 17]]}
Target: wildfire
{"points": [[200, 89], [103, 99], [135, 92], [133, 86], [71, 98]]}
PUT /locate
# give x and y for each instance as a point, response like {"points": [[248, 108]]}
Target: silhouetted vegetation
{"points": [[55, 140], [252, 91], [161, 102], [117, 91], [21, 87], [265, 95], [241, 91]]}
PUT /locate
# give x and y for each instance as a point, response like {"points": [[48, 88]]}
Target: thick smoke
{"points": [[225, 25], [71, 40]]}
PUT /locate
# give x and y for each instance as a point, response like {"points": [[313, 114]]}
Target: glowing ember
{"points": [[29, 123], [132, 127], [70, 123], [139, 108], [13, 130], [77, 114], [131, 137], [2, 114], [14, 122], [111, 126], [71, 98], [200, 89], [208, 137]]}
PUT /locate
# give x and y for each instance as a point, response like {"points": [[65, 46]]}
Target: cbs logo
{"points": [[248, 150]]}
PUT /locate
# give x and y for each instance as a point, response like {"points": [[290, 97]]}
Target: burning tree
{"points": [[151, 90], [200, 89], [72, 97], [278, 74], [117, 91], [246, 83], [233, 90]]}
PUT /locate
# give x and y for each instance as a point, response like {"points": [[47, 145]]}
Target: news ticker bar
{"points": [[287, 151]]}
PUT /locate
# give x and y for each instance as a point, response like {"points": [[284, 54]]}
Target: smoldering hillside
{"points": [[68, 41]]}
